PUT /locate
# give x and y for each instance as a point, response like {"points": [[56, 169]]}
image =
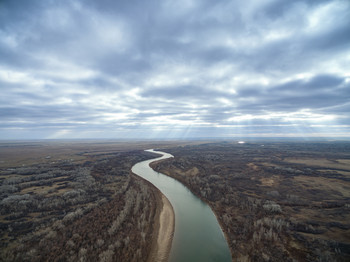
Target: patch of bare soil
{"points": [[165, 231]]}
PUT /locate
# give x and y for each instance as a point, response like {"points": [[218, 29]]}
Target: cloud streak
{"points": [[174, 69]]}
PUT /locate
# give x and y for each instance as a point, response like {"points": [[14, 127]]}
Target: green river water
{"points": [[197, 236]]}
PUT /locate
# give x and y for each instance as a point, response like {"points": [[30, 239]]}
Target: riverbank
{"points": [[213, 208], [274, 202], [164, 226], [198, 236], [164, 229]]}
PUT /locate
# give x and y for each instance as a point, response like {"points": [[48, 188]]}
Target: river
{"points": [[197, 236]]}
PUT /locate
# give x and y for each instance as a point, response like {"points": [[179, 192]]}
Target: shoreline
{"points": [[222, 228], [166, 230], [164, 226], [165, 172]]}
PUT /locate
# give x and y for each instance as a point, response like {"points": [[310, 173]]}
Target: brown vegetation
{"points": [[79, 204], [275, 201]]}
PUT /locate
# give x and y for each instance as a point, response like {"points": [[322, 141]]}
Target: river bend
{"points": [[197, 236]]}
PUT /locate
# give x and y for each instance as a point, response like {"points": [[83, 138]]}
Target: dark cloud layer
{"points": [[124, 69]]}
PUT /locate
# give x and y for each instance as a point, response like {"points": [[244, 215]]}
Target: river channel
{"points": [[197, 236]]}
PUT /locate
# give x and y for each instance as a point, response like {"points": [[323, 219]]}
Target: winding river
{"points": [[197, 236]]}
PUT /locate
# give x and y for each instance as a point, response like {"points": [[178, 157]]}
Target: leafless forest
{"points": [[75, 205], [79, 201], [275, 201]]}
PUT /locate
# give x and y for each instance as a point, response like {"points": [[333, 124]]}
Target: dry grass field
{"points": [[16, 154]]}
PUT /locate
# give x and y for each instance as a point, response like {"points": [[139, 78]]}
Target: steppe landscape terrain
{"points": [[76, 201], [248, 100], [79, 201], [283, 201]]}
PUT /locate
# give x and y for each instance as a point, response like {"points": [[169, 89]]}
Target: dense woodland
{"points": [[91, 210], [275, 201]]}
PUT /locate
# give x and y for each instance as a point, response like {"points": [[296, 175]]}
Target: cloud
{"points": [[184, 68]]}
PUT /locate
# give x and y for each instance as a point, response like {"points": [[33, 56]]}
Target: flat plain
{"points": [[276, 201], [78, 200]]}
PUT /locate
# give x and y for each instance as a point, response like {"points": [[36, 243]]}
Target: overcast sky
{"points": [[174, 69]]}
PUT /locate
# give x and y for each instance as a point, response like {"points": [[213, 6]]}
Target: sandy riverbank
{"points": [[165, 231]]}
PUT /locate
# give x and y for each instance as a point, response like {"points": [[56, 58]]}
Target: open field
{"points": [[274, 201], [16, 154], [77, 201]]}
